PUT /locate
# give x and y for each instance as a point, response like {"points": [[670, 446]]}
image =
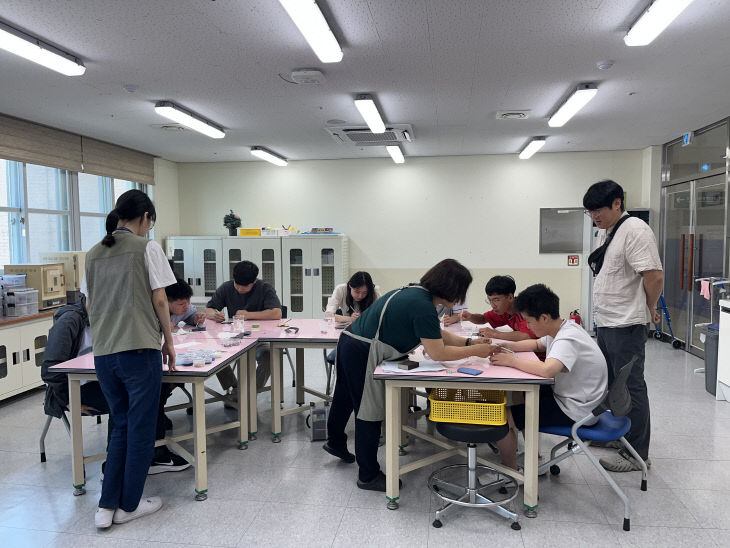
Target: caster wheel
{"points": [[516, 526], [555, 470], [437, 523], [276, 439], [437, 488], [658, 335], [677, 344]]}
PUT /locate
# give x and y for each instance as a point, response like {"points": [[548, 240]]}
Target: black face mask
{"points": [[595, 259]]}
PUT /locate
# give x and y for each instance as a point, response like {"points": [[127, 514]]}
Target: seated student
{"points": [[69, 337], [451, 314], [500, 292], [178, 300], [349, 300], [249, 298], [573, 360]]}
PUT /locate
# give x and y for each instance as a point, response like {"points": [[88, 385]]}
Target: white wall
{"points": [[481, 210], [166, 198]]}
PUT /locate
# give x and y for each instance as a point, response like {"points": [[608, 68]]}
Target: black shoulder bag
{"points": [[595, 259]]}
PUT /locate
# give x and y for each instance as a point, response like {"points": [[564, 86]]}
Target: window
{"points": [[48, 209]]}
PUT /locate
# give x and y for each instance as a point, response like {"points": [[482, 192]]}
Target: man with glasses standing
{"points": [[626, 288]]}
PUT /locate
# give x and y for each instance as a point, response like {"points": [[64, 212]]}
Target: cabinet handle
{"points": [[307, 271], [16, 358], [190, 281], [681, 263], [26, 354], [316, 272], [690, 266], [197, 281]]}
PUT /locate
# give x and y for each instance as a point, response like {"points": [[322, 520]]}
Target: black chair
{"points": [[613, 424], [493, 495]]}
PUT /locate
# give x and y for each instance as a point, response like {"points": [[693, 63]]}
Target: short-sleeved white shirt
{"points": [[619, 299], [158, 268], [582, 384]]}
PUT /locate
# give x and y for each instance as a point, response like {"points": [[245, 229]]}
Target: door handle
{"points": [[316, 272], [16, 358], [26, 354], [681, 264], [307, 271], [190, 281], [197, 281], [690, 264]]}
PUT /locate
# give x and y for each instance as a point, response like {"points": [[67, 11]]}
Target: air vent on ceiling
{"points": [[513, 114], [362, 136]]}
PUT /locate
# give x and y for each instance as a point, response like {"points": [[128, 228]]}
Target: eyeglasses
{"points": [[593, 212]]}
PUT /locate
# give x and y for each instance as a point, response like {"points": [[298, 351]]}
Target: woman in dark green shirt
{"points": [[390, 328]]}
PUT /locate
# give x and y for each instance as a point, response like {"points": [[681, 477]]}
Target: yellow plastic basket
{"points": [[468, 406]]}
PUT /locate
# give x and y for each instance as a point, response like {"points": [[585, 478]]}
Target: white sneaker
{"points": [[103, 518], [147, 505]]}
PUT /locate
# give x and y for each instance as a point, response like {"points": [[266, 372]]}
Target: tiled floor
{"points": [[293, 494]]}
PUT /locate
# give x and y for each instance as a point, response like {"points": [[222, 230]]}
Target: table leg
{"points": [[392, 437], [201, 458], [299, 367], [77, 438], [276, 374], [532, 400], [242, 364], [252, 407], [404, 401]]}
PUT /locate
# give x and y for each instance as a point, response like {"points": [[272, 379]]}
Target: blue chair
{"points": [[613, 424]]}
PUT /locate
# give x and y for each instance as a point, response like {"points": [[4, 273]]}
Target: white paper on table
{"points": [[228, 335], [475, 360], [504, 329], [455, 362], [426, 366], [187, 344], [469, 326]]}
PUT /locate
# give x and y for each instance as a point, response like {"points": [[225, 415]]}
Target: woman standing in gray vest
{"points": [[126, 276]]}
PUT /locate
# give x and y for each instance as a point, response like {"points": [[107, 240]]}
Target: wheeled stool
{"points": [[493, 495]]}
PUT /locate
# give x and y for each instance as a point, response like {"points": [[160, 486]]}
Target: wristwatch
{"points": [[468, 341]]}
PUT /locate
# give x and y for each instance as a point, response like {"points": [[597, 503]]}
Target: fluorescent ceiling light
{"points": [[654, 20], [369, 112], [396, 153], [532, 147], [265, 154], [311, 23], [182, 116], [33, 49], [578, 99]]}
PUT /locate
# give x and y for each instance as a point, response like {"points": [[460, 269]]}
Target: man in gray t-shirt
{"points": [[252, 299], [573, 359]]}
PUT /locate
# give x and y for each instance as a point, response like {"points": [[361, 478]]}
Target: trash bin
{"points": [[711, 345]]}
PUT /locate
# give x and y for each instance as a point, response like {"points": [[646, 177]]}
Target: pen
{"points": [[506, 349]]}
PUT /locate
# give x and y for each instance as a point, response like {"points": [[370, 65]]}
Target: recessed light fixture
{"points": [[535, 144], [189, 119], [369, 112], [396, 153], [33, 49], [654, 20], [266, 154], [577, 100], [311, 23]]}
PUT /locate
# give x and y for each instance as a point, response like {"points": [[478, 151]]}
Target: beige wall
{"points": [[167, 200], [481, 210]]}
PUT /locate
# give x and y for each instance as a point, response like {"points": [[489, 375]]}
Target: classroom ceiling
{"points": [[444, 66]]}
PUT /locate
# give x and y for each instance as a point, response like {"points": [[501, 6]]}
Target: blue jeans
{"points": [[131, 384]]}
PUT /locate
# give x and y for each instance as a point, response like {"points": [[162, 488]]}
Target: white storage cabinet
{"points": [[197, 260], [312, 267], [22, 346], [263, 251]]}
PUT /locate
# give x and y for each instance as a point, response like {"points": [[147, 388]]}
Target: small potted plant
{"points": [[231, 221]]}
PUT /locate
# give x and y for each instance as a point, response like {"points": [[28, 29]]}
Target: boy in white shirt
{"points": [[573, 359]]}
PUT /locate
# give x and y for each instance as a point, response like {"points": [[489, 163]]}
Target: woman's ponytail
{"points": [[112, 220]]}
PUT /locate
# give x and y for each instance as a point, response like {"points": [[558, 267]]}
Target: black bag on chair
{"points": [[595, 259]]}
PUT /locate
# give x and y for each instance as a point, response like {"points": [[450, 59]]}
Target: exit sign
{"points": [[573, 260]]}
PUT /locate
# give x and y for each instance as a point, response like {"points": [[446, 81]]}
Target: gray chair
{"points": [[46, 426], [493, 495]]}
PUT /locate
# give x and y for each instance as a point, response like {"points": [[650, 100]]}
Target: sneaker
{"points": [[171, 463], [376, 484], [342, 454], [147, 505], [615, 444], [622, 462], [103, 518]]}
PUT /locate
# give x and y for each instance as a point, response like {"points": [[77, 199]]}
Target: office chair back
{"points": [[284, 311], [618, 399]]}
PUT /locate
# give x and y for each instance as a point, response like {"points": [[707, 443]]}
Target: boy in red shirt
{"points": [[501, 296]]}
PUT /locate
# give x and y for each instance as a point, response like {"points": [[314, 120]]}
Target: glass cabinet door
{"points": [[677, 276], [210, 272], [268, 266], [327, 279], [234, 257], [296, 280], [178, 263]]}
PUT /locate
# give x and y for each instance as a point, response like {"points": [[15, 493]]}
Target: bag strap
{"points": [[615, 229]]}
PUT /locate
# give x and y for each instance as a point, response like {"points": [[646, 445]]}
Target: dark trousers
{"points": [[619, 345], [352, 358], [131, 383]]}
